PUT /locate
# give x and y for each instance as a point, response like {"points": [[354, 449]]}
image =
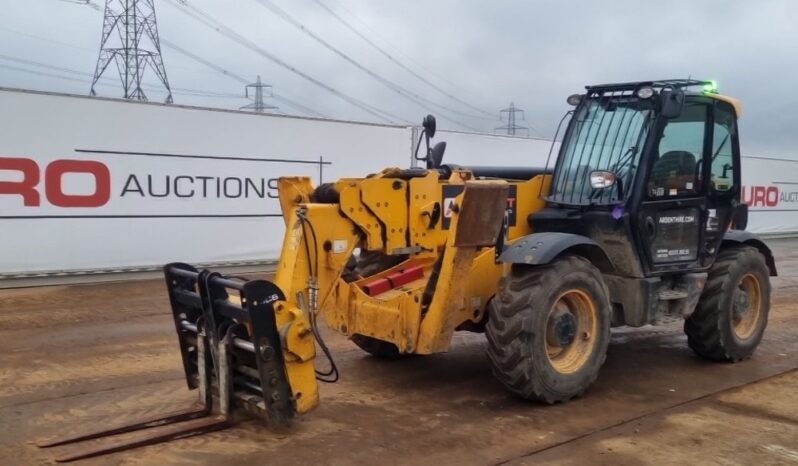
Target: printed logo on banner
{"points": [[36, 187], [767, 196], [30, 186]]}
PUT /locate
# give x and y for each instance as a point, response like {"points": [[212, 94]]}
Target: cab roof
{"points": [[709, 89], [657, 84]]}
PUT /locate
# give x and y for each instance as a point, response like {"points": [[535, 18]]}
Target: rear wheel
{"points": [[730, 319], [549, 328]]}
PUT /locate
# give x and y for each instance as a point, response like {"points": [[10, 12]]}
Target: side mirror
{"points": [[435, 157], [427, 133], [671, 102], [600, 179], [429, 126]]}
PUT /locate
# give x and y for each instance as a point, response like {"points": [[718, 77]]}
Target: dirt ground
{"points": [[80, 357]]}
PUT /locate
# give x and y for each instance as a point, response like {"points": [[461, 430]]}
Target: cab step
{"points": [[672, 294]]}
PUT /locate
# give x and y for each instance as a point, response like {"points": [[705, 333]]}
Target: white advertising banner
{"points": [[770, 188], [89, 184]]}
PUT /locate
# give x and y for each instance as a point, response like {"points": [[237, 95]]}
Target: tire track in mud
{"points": [[642, 416], [444, 409], [25, 379], [380, 423]]}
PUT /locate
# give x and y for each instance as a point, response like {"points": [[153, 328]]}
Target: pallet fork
{"points": [[241, 369]]}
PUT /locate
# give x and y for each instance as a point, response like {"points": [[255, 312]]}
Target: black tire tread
{"points": [[703, 328], [508, 331]]}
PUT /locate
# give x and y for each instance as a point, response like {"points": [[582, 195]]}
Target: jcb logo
{"points": [[28, 186]]}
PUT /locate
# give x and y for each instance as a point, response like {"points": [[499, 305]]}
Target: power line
{"points": [[108, 80], [398, 49], [202, 17], [224, 30], [220, 28], [189, 92], [404, 92], [84, 2], [103, 81], [43, 73], [297, 106], [390, 57], [203, 61], [280, 98], [43, 65], [33, 36]]}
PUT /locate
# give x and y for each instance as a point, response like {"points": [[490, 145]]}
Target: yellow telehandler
{"points": [[639, 222]]}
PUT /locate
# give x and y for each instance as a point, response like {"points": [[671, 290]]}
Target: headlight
{"points": [[645, 92], [574, 99], [600, 179]]}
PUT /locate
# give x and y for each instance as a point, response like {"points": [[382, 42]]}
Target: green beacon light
{"points": [[711, 87]]}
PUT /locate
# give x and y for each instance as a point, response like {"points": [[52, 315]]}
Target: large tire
{"points": [[375, 347], [535, 349], [325, 193], [731, 316]]}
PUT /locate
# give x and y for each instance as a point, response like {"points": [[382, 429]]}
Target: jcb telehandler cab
{"points": [[643, 223], [640, 222]]}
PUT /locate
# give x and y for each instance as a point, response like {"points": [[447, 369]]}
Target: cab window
{"points": [[723, 135], [677, 169]]}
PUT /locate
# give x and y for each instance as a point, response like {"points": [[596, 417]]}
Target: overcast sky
{"points": [[487, 53]]}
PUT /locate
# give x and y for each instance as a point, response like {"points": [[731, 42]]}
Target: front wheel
{"points": [[731, 316], [549, 328]]}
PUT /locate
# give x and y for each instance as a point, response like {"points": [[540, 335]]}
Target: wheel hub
{"points": [[742, 303], [571, 329], [562, 328], [747, 307]]}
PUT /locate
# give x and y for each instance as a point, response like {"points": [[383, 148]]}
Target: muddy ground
{"points": [[83, 356]]}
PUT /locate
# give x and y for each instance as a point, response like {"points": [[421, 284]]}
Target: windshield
{"points": [[606, 133]]}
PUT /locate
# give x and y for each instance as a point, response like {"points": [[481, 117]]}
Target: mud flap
{"points": [[476, 223]]}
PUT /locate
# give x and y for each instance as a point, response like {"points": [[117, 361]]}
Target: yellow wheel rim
{"points": [[571, 331], [747, 307]]}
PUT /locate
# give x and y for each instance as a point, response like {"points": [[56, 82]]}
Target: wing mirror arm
{"points": [[427, 133], [434, 156], [418, 146]]}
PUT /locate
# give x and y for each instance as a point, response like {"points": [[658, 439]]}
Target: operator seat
{"points": [[675, 169]]}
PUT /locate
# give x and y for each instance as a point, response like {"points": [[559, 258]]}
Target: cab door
{"points": [[723, 175], [674, 203]]}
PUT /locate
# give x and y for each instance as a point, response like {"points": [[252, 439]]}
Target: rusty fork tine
{"points": [[176, 416], [213, 360], [186, 429]]}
